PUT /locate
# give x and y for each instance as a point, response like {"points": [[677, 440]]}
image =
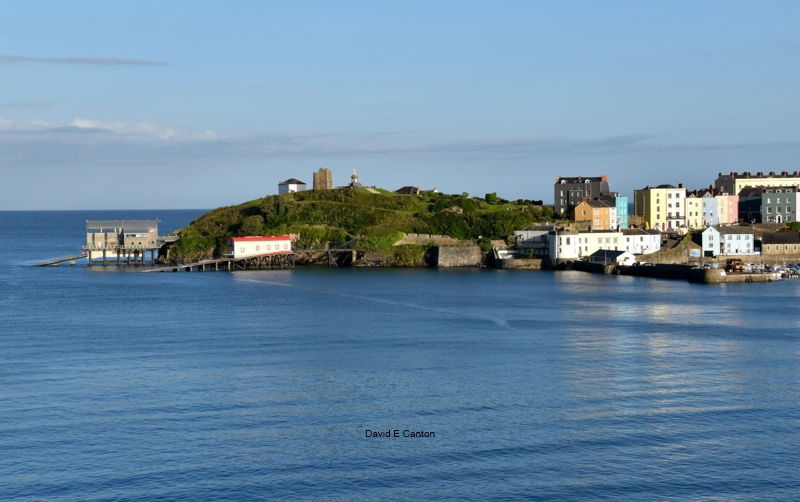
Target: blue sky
{"points": [[201, 104]]}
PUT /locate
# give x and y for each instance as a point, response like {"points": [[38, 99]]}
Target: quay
{"points": [[680, 272]]}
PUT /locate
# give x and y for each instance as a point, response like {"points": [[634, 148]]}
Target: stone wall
{"points": [[427, 239], [464, 256]]}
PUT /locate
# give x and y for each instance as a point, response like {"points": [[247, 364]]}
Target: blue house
{"points": [[621, 204]]}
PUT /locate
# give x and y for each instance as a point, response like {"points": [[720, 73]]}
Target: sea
{"points": [[385, 384]]}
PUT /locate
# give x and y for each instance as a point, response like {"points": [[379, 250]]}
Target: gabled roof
{"points": [[639, 231], [596, 203], [780, 238], [732, 230], [292, 181]]}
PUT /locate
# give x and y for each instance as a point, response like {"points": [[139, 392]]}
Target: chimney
{"points": [[784, 174], [772, 174], [680, 185], [759, 174], [604, 177]]}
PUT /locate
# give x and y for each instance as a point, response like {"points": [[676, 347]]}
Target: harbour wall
{"points": [[466, 256]]}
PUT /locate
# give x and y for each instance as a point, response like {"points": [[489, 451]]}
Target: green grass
{"points": [[375, 221]]}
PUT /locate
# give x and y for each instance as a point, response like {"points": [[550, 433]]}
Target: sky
{"points": [[139, 104]]}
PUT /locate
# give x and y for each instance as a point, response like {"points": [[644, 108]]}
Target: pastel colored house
{"points": [[694, 210], [734, 182], [246, 247], [621, 204], [599, 214], [779, 204], [662, 207], [724, 241]]}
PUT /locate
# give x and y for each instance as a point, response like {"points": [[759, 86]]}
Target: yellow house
{"points": [[600, 215], [694, 210], [662, 207]]}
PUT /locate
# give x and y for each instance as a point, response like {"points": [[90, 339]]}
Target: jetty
{"points": [[58, 261], [230, 263]]}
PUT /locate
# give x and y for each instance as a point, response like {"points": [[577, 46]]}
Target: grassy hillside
{"points": [[374, 220]]}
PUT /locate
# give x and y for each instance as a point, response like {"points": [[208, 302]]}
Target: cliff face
{"points": [[363, 219]]}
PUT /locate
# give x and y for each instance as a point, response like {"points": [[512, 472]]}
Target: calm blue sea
{"points": [[118, 385]]}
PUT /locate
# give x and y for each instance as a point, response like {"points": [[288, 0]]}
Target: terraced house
{"points": [[779, 204], [662, 207], [568, 192], [599, 214]]}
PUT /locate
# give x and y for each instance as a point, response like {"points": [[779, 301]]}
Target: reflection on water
{"points": [[259, 385]]}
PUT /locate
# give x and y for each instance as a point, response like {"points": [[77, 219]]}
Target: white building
{"points": [[291, 185], [245, 247], [572, 246], [534, 240], [639, 241], [722, 241], [608, 257]]}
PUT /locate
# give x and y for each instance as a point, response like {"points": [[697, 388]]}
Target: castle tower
{"points": [[323, 179]]}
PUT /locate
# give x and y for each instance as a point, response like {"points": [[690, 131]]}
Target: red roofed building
{"points": [[246, 247]]}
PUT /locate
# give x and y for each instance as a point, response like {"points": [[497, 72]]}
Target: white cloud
{"points": [[125, 131]]}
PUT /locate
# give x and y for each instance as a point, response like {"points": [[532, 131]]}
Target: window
{"points": [[258, 248], [567, 241]]}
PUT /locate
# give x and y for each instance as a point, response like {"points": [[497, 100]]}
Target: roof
{"points": [[408, 190], [783, 188], [639, 231], [608, 253], [780, 238], [580, 179], [732, 230], [749, 191], [125, 225], [596, 203], [292, 181], [262, 238], [746, 174]]}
